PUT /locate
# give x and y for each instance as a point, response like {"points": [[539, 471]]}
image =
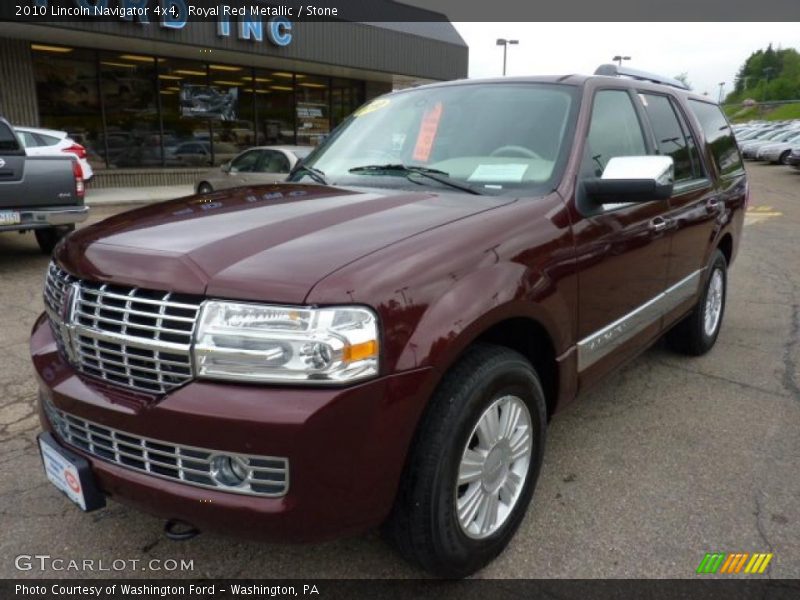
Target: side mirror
{"points": [[226, 167], [633, 179]]}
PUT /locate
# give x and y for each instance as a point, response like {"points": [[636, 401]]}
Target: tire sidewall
{"points": [[516, 379], [718, 264]]}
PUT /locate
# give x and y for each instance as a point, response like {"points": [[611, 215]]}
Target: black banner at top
{"points": [[177, 14]]}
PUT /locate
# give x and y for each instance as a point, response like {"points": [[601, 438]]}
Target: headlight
{"points": [[278, 344]]}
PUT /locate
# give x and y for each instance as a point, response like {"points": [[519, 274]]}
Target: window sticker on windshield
{"points": [[511, 172], [372, 106], [427, 133]]}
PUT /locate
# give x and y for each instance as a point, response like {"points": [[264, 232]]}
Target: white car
{"points": [[51, 142], [778, 152]]}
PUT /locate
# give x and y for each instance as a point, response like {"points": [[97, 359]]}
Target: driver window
{"points": [[273, 162], [615, 131], [245, 163]]}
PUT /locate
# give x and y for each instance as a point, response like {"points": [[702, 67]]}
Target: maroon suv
{"points": [[383, 339]]}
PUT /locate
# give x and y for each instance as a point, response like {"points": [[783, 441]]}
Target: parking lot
{"points": [[669, 459]]}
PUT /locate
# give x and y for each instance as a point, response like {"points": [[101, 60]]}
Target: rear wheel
{"points": [[784, 159], [698, 332], [473, 466], [49, 237], [204, 188]]}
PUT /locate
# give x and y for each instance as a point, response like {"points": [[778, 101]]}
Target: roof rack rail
{"points": [[618, 71]]}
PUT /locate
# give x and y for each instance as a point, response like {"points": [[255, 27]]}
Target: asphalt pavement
{"points": [[669, 459]]}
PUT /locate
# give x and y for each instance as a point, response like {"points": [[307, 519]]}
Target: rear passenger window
{"points": [[719, 137], [672, 137], [615, 131], [8, 142]]}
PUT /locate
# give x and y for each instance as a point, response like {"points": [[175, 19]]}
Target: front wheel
{"points": [[49, 237], [784, 158], [204, 188], [473, 466], [698, 332]]}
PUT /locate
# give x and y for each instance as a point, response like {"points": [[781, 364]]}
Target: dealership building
{"points": [[154, 103]]}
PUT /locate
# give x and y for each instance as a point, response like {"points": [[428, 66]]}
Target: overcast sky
{"points": [[708, 52]]}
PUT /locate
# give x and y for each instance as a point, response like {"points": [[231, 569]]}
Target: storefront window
{"points": [[234, 127], [346, 96], [66, 88], [274, 92], [313, 109], [137, 111], [128, 86]]}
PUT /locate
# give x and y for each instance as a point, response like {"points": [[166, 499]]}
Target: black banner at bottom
{"points": [[472, 589]]}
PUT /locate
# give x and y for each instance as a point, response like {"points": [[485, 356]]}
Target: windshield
{"points": [[494, 138]]}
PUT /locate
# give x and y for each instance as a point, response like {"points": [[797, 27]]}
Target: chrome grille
{"points": [[128, 336], [265, 475]]}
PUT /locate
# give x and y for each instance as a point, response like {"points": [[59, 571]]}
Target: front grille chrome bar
{"points": [[266, 476]]}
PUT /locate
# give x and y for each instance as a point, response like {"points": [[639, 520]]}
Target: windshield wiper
{"points": [[315, 174], [435, 174]]}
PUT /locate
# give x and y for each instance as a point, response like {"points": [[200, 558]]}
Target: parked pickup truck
{"points": [[384, 338], [39, 193]]}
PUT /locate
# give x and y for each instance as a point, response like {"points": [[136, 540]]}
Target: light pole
{"points": [[721, 86], [504, 43], [619, 58]]}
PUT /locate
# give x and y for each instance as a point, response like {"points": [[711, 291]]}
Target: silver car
{"points": [[255, 166]]}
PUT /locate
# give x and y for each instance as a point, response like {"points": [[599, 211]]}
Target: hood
{"points": [[266, 243]]}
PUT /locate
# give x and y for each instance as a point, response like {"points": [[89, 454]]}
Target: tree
{"points": [[684, 79], [768, 74]]}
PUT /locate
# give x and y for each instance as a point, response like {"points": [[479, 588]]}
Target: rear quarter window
{"points": [[719, 137]]}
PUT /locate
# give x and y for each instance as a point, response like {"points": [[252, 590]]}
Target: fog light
{"points": [[231, 471]]}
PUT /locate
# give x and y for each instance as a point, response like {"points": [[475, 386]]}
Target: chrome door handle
{"points": [[713, 205], [659, 224]]}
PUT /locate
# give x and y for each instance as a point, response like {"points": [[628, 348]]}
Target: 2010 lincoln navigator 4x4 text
{"points": [[383, 339]]}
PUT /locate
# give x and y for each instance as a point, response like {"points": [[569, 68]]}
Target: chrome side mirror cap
{"points": [[633, 179]]}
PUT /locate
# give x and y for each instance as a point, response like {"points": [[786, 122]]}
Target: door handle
{"points": [[659, 224], [713, 205]]}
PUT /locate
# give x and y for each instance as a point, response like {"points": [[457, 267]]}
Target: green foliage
{"points": [[768, 75], [684, 79], [739, 114]]}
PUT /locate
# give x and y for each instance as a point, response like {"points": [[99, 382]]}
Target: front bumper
{"points": [[345, 447], [48, 217]]}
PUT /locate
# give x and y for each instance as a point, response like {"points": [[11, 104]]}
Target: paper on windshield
{"points": [[509, 173]]}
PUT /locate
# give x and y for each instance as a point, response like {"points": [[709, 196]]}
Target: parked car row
{"points": [[776, 142], [40, 191]]}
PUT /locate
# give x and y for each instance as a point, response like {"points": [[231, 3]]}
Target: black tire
{"points": [[424, 525], [784, 158], [204, 188], [49, 237], [690, 336]]}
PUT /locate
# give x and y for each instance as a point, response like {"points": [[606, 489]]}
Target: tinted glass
{"points": [[615, 131], [28, 140], [273, 162], [246, 163], [719, 137], [670, 137], [47, 140], [8, 142], [68, 94], [499, 137]]}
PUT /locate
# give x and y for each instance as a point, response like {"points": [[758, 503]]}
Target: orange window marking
{"points": [[427, 133]]}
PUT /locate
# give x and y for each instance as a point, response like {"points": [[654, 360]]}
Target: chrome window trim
{"points": [[599, 344]]}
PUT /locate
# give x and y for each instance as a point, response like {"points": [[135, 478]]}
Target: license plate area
{"points": [[10, 217], [70, 473]]}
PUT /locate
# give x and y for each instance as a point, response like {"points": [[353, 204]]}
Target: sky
{"points": [[708, 52]]}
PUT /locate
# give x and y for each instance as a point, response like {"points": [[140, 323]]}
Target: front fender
{"points": [[496, 292]]}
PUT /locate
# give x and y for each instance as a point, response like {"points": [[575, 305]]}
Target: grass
{"points": [[739, 114]]}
